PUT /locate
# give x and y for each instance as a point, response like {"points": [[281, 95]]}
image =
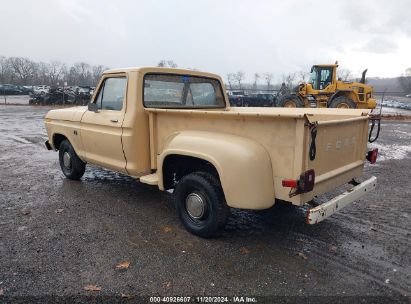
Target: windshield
{"points": [[320, 77]]}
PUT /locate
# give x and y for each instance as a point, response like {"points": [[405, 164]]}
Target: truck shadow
{"points": [[282, 221]]}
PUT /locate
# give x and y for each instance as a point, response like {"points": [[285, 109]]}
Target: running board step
{"points": [[151, 179]]}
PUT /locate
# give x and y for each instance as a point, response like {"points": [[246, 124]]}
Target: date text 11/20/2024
{"points": [[204, 299]]}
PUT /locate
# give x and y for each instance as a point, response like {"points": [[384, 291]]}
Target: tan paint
{"points": [[252, 149], [238, 161]]}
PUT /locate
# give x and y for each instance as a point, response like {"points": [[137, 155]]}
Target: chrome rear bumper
{"points": [[321, 212]]}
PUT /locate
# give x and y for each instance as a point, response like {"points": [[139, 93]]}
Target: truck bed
{"points": [[285, 134]]}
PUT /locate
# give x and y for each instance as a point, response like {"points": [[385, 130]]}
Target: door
{"points": [[101, 131], [321, 77]]}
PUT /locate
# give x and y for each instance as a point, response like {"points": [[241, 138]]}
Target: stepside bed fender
{"points": [[243, 165]]}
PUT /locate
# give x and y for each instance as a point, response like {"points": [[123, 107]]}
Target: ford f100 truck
{"points": [[175, 129]]}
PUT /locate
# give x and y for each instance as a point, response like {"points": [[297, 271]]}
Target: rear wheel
{"points": [[71, 165], [290, 101], [342, 102], [201, 205]]}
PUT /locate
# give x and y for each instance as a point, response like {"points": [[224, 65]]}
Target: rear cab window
{"points": [[181, 91]]}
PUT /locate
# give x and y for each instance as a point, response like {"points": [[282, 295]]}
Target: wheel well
{"points": [[177, 166], [57, 140]]}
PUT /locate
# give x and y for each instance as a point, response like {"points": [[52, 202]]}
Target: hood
{"points": [[69, 114]]}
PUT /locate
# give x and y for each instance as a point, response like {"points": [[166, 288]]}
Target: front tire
{"points": [[71, 165], [201, 205], [342, 102], [290, 101]]}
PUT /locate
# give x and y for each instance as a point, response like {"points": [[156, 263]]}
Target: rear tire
{"points": [[342, 102], [290, 101], [201, 205], [71, 165]]}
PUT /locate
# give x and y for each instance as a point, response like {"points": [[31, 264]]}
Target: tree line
{"points": [[23, 71], [266, 80]]}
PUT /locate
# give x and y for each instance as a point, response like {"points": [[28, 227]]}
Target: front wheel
{"points": [[342, 102], [71, 165], [201, 205], [290, 101]]}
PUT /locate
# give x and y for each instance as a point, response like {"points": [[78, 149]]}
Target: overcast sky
{"points": [[217, 36]]}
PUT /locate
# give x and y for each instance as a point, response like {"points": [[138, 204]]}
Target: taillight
{"points": [[372, 156], [304, 184], [290, 183]]}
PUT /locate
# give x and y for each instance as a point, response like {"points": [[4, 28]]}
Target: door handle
{"points": [[114, 120]]}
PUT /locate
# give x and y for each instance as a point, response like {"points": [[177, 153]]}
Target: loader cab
{"points": [[322, 76]]}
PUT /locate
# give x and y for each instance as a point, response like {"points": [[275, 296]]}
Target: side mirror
{"points": [[92, 107]]}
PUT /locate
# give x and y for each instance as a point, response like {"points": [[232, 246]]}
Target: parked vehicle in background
{"points": [[28, 89], [10, 89], [235, 100], [55, 95], [174, 129], [83, 94], [235, 97], [259, 100], [236, 92], [408, 95], [41, 89]]}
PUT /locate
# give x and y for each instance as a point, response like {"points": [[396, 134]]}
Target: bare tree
{"points": [[256, 77], [303, 76], [97, 71], [23, 69], [344, 74], [239, 77], [405, 81], [41, 76], [55, 72], [167, 64], [230, 80], [5, 70], [289, 80], [268, 77], [81, 72]]}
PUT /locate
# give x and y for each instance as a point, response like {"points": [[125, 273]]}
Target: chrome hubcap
{"points": [[195, 205], [67, 160]]}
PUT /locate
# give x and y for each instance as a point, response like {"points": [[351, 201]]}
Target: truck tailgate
{"points": [[340, 147]]}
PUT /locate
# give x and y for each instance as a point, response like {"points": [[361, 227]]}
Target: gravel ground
{"points": [[58, 236]]}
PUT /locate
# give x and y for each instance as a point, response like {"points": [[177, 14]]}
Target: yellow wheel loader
{"points": [[324, 90]]}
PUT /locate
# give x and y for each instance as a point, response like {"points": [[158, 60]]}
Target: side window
{"points": [[181, 91], [111, 95]]}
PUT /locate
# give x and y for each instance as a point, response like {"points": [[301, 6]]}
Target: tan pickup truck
{"points": [[175, 129]]}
